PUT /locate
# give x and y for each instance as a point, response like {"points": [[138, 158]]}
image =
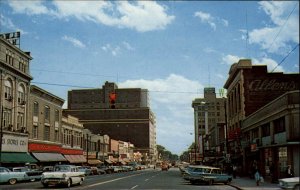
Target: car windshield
{"points": [[62, 168]]}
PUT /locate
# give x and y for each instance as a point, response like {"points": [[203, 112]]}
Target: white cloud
{"points": [[142, 16], [230, 59], [277, 38], [4, 21], [74, 41], [127, 46], [207, 18], [113, 50], [29, 7]]}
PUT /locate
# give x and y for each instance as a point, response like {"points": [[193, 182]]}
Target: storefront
{"points": [[74, 156], [47, 154], [15, 150]]}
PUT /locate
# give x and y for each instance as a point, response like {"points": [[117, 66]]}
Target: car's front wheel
{"points": [[81, 181], [69, 183], [12, 181]]}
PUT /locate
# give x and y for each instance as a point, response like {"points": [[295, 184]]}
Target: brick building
{"points": [[249, 88], [131, 121]]}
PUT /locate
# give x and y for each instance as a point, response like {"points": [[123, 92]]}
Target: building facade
{"points": [[131, 120], [209, 124], [249, 88], [14, 93], [45, 126]]}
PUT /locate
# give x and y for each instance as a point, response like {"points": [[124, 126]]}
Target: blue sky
{"points": [[172, 48]]}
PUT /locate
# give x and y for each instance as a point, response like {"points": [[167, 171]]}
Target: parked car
{"points": [[8, 176], [164, 167], [32, 174], [97, 171], [107, 169], [117, 169], [290, 183], [66, 175], [85, 169], [48, 169]]}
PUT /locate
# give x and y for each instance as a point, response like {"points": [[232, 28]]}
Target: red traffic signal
{"points": [[112, 100]]}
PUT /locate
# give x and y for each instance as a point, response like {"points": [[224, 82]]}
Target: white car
{"points": [[290, 183], [66, 175]]}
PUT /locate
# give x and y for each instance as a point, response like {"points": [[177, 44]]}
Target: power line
{"points": [[285, 57], [283, 25]]}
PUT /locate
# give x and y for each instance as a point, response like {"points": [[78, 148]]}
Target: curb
{"points": [[237, 187]]}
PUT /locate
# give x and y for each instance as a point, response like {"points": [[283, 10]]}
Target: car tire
{"points": [[297, 187], [81, 181], [69, 183], [12, 181], [210, 182]]}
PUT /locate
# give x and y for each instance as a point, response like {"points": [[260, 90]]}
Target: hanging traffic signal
{"points": [[112, 100]]}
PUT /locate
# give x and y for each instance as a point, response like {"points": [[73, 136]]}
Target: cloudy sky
{"points": [[172, 48]]}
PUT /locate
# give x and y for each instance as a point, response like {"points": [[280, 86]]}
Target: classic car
{"points": [[193, 171], [66, 175], [32, 174], [290, 183], [97, 171], [216, 175], [8, 176], [107, 169], [85, 169]]}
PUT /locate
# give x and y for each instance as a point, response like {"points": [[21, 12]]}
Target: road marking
{"points": [[146, 179], [134, 187], [117, 179]]}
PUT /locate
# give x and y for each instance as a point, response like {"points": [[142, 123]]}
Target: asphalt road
{"points": [[144, 179]]}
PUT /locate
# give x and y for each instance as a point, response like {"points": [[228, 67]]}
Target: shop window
{"points": [[279, 125], [265, 130]]}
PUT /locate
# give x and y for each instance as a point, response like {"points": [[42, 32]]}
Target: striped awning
{"points": [[75, 158], [49, 157]]}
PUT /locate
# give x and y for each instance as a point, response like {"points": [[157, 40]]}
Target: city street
{"points": [[143, 179]]}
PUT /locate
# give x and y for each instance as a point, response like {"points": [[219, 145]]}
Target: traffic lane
{"points": [[128, 181], [88, 181]]}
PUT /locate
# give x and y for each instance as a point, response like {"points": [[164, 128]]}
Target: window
{"points": [[21, 94], [8, 89], [265, 130], [35, 132], [56, 136], [46, 133], [6, 121], [279, 125], [20, 120], [9, 57], [35, 109], [56, 115], [47, 114]]}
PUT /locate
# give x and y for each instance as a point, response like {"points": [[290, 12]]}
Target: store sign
{"points": [[34, 147], [11, 143]]}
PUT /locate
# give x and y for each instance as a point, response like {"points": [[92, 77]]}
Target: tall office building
{"points": [[123, 114]]}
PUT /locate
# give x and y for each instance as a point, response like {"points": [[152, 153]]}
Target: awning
{"points": [[49, 157], [17, 157], [75, 158], [94, 161]]}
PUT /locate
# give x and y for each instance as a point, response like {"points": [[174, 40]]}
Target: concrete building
{"points": [[209, 121], [131, 120], [271, 135], [14, 93], [249, 88]]}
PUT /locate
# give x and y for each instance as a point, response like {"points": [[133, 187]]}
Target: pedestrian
{"points": [[234, 168], [289, 171], [257, 177]]}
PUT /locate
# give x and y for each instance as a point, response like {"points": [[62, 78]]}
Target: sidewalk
{"points": [[245, 183]]}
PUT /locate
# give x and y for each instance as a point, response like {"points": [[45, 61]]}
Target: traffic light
{"points": [[112, 100]]}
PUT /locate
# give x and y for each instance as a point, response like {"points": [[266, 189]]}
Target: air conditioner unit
{"points": [[9, 98]]}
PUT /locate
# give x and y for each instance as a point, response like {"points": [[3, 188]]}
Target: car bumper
{"points": [[60, 181]]}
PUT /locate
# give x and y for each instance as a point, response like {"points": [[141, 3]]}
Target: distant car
{"points": [[8, 176], [66, 175], [290, 183], [32, 174], [107, 169], [164, 167], [97, 171], [86, 169]]}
